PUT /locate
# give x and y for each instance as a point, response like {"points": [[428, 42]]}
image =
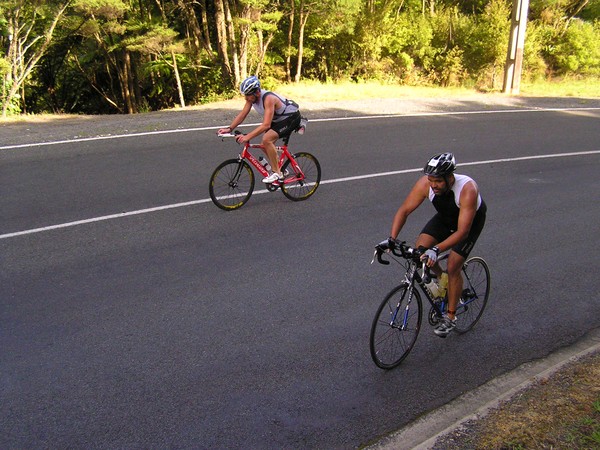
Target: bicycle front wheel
{"points": [[231, 184], [395, 327], [302, 180], [476, 291]]}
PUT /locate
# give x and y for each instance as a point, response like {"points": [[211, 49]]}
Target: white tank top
{"points": [[457, 187]]}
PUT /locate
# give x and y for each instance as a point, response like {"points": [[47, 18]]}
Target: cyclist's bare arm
{"points": [[416, 196], [238, 119]]}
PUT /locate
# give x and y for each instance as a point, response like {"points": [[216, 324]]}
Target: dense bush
{"points": [[577, 50]]}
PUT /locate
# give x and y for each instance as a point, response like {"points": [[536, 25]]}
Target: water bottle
{"points": [[264, 163], [443, 285], [433, 288]]}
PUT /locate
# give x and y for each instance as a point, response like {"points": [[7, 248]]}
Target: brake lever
{"points": [[378, 254]]}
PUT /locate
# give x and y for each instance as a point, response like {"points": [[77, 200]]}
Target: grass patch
{"points": [[561, 412], [564, 87], [347, 90], [586, 433]]}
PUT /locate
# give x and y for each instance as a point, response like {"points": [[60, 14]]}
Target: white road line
{"points": [[333, 119], [264, 191]]}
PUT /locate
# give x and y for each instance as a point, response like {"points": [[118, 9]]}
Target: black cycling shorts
{"points": [[440, 230], [288, 125]]}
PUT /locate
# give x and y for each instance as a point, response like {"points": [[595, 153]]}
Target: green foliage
{"points": [[118, 55], [149, 39], [578, 49], [13, 104], [4, 67], [534, 64], [591, 12]]}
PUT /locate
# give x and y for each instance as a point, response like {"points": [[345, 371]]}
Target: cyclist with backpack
{"points": [[280, 118]]}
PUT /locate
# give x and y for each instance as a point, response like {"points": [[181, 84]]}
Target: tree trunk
{"points": [[205, 31], [192, 23], [288, 56], [232, 44], [264, 45], [303, 20], [126, 83], [222, 40], [179, 87]]}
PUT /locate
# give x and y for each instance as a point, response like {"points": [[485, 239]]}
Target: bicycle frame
{"points": [[245, 154], [413, 276]]}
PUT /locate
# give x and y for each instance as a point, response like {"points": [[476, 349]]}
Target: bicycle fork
{"points": [[233, 182], [402, 327]]}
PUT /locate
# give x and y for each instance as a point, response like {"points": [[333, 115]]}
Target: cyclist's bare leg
{"points": [[429, 241], [268, 143], [455, 281]]}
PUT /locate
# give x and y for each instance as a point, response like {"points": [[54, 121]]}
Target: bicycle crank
{"points": [[433, 316]]}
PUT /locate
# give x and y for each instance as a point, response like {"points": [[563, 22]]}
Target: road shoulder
{"points": [[424, 432]]}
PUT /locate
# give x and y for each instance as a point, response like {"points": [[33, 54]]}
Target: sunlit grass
{"points": [[347, 90], [567, 87]]}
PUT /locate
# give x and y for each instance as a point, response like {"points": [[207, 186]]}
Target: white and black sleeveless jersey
{"points": [[448, 204]]}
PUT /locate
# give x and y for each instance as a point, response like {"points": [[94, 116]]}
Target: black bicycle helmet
{"points": [[250, 85], [440, 165]]}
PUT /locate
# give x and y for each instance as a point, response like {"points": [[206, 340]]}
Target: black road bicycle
{"points": [[397, 322]]}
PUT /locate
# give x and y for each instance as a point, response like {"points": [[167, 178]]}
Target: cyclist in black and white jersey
{"points": [[280, 118], [456, 226]]}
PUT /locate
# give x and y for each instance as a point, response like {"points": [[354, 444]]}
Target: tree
{"points": [[222, 42], [103, 28], [327, 12], [160, 42], [30, 26]]}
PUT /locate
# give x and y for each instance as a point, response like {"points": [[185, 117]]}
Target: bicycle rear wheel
{"points": [[395, 327], [476, 291], [231, 184], [297, 187]]}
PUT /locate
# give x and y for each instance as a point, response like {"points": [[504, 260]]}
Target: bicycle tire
{"points": [[476, 291], [389, 344], [302, 189], [231, 184]]}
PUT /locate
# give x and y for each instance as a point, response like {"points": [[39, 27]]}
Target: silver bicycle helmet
{"points": [[440, 165], [249, 85]]}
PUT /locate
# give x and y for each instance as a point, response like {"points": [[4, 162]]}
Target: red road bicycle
{"points": [[232, 182]]}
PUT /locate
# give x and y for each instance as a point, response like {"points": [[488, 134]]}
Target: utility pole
{"points": [[516, 42]]}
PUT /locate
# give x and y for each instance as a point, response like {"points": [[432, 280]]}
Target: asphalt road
{"points": [[194, 327]]}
